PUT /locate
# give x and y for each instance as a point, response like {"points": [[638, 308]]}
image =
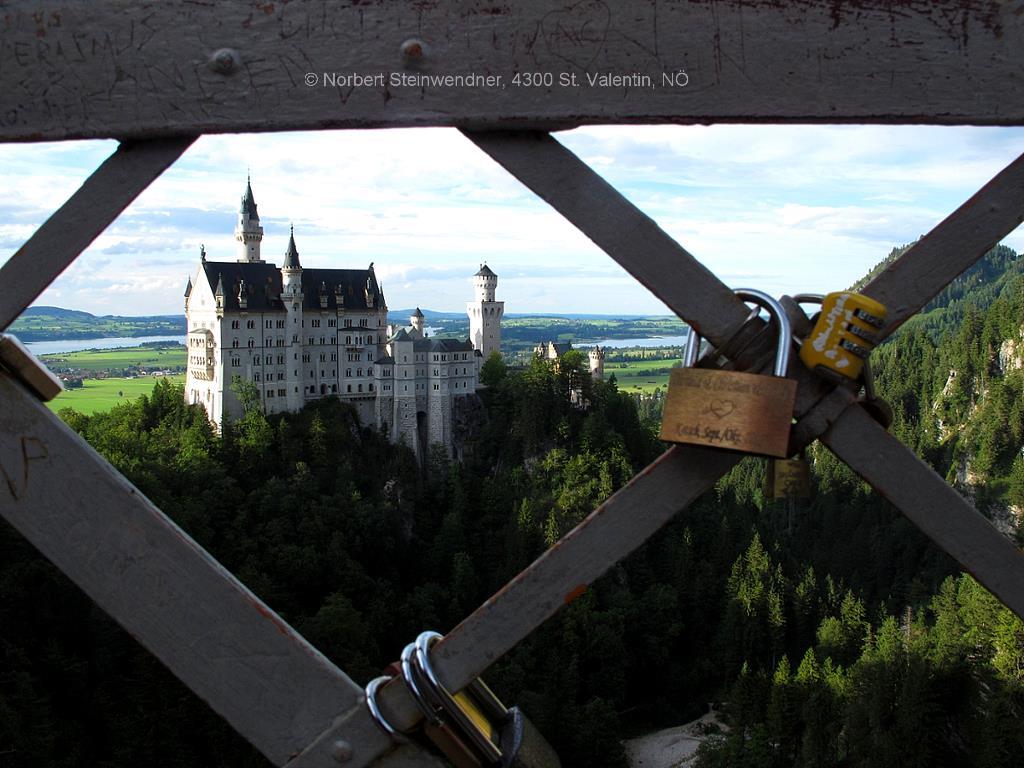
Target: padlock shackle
{"points": [[776, 310], [692, 349], [809, 298]]}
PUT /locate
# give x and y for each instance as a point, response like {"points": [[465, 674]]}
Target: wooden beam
{"points": [[109, 190], [116, 68], [216, 636], [560, 575], [941, 513], [619, 228]]}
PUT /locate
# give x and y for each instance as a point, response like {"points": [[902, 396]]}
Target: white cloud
{"points": [[785, 208]]}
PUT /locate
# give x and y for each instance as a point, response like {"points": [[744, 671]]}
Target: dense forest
{"points": [[828, 631]]}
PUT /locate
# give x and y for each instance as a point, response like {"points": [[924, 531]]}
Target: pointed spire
{"points": [[188, 288], [291, 256], [220, 285], [417, 313], [248, 208]]}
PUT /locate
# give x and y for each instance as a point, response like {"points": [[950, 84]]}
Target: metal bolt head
{"points": [[413, 50], [341, 751], [224, 61]]}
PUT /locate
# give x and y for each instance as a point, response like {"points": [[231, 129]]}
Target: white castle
{"points": [[300, 334]]}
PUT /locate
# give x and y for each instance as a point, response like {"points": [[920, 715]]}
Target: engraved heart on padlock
{"points": [[721, 408]]}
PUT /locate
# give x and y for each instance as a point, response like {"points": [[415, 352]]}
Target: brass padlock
{"points": [[787, 478], [729, 409]]}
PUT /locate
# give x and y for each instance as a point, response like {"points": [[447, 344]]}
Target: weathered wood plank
{"points": [[957, 242], [619, 228], [109, 190], [929, 503], [116, 68], [217, 637]]}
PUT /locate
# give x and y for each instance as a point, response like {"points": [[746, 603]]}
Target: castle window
{"points": [[280, 323], [234, 342], [270, 393], [359, 372], [234, 324], [323, 358], [310, 341], [322, 342], [280, 359], [268, 324], [312, 374], [360, 387], [334, 389], [371, 387], [251, 324], [334, 357], [348, 372], [332, 323], [315, 323], [255, 377], [348, 339], [305, 358], [437, 386], [252, 343], [369, 339], [281, 392], [349, 387], [235, 362], [348, 322], [280, 376]]}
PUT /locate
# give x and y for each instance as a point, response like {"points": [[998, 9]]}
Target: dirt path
{"points": [[672, 747]]}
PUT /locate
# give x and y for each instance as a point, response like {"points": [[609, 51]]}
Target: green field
{"points": [[97, 395], [640, 375], [110, 359]]}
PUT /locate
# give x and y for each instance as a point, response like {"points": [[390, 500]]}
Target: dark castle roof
{"points": [[291, 256], [263, 286], [485, 271], [249, 203]]}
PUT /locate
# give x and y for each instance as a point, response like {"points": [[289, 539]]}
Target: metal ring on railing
{"points": [[375, 713], [409, 670]]}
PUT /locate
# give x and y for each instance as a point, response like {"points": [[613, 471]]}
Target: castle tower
{"points": [[291, 297], [596, 356], [485, 313], [248, 232], [417, 321]]}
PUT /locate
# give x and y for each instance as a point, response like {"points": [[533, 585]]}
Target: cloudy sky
{"points": [[782, 208]]}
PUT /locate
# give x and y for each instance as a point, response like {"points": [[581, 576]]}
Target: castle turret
{"points": [[218, 295], [485, 313], [596, 356], [248, 232], [188, 292], [291, 297], [417, 321], [291, 270]]}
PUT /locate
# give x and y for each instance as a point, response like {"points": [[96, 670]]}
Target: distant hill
{"points": [[56, 323], [979, 286]]}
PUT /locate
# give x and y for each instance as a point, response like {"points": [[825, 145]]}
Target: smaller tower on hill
{"points": [[596, 356], [485, 313]]}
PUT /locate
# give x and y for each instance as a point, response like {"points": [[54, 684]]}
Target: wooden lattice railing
{"points": [[157, 76]]}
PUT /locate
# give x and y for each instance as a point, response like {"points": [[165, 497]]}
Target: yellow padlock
{"points": [[844, 335]]}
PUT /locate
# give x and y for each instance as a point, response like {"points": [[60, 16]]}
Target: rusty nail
{"points": [[342, 751], [224, 61], [413, 48]]}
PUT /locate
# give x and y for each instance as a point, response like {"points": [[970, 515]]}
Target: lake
{"points": [[654, 341], [77, 345]]}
